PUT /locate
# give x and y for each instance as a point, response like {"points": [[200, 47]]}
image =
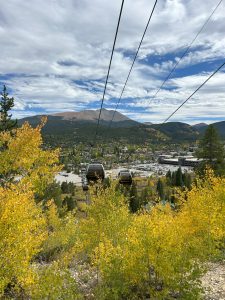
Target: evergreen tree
{"points": [[173, 179], [179, 178], [6, 104], [144, 196], [188, 181], [169, 177], [160, 189], [53, 191], [71, 187], [184, 178], [64, 187], [70, 202], [212, 151], [134, 200]]}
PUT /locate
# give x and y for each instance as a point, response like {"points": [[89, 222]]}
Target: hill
{"points": [[220, 126], [177, 131], [74, 127], [84, 117], [200, 126], [92, 116]]}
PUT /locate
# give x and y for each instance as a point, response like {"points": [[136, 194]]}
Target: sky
{"points": [[55, 56]]}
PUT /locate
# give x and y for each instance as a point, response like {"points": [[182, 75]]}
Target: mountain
{"points": [[92, 115], [220, 126], [64, 129], [200, 126], [177, 131], [84, 117], [74, 127]]}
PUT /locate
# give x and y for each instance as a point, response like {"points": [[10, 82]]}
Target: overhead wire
{"points": [[109, 67], [185, 52], [135, 57], [220, 67]]}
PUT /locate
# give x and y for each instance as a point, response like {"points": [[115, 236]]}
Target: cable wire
{"points": [[110, 62], [220, 67], [135, 57], [185, 52]]}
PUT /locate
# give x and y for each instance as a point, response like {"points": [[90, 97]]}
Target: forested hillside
{"points": [[80, 127]]}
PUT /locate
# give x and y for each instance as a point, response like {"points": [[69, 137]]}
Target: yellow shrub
{"points": [[24, 158], [159, 252], [22, 231]]}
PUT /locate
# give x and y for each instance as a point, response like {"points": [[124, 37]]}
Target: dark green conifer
{"points": [[160, 189], [212, 151], [6, 104], [134, 200], [179, 179]]}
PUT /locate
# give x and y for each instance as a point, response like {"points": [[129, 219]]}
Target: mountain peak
{"points": [[200, 125], [92, 115]]}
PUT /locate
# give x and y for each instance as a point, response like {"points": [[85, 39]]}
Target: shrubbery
{"points": [[158, 253]]}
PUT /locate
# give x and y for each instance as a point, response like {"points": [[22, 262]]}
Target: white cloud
{"points": [[208, 103], [47, 45]]}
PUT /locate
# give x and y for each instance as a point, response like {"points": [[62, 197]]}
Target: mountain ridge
{"points": [[85, 116], [83, 124], [92, 115]]}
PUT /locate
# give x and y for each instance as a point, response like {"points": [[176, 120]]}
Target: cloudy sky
{"points": [[55, 55]]}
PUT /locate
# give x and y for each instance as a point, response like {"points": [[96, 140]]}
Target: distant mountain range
{"points": [[80, 127], [86, 116], [92, 116]]}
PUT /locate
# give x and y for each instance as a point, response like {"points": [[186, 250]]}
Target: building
{"points": [[188, 161]]}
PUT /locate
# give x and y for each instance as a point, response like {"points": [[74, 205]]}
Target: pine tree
{"points": [[169, 177], [173, 179], [212, 151], [179, 179], [188, 181], [184, 178], [70, 202], [160, 189], [6, 104], [53, 191], [134, 200]]}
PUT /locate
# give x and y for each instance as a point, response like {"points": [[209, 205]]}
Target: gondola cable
{"points": [[175, 66], [96, 168], [135, 57], [220, 67], [185, 52], [109, 67]]}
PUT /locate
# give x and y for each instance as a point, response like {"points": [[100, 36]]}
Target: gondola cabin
{"points": [[95, 172], [125, 177]]}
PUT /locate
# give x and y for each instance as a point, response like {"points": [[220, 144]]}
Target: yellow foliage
{"points": [[62, 235], [159, 252], [24, 158], [155, 253], [25, 229], [53, 282], [107, 217], [22, 231]]}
